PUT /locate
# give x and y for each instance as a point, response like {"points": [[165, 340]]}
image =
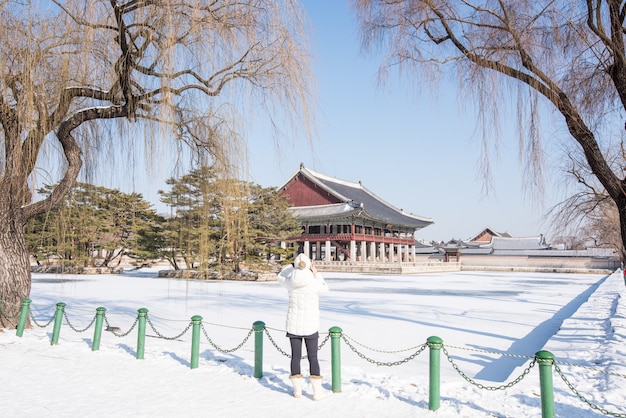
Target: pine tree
{"points": [[271, 222], [222, 222], [93, 226]]}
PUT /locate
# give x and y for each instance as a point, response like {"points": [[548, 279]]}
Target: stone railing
{"points": [[386, 268]]}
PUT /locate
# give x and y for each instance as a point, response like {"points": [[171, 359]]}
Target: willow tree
{"points": [[567, 56], [75, 74]]}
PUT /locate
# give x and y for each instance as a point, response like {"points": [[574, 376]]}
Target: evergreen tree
{"points": [[93, 225], [220, 222], [190, 233], [271, 222]]}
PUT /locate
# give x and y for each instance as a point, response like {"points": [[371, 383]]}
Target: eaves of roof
{"points": [[373, 206], [337, 210]]}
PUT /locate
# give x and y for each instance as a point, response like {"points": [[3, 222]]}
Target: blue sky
{"points": [[416, 151]]}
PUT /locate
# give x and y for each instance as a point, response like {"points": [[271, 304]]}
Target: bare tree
{"points": [[75, 72], [589, 211], [567, 55]]}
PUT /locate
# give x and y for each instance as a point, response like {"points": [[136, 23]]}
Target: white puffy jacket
{"points": [[303, 313]]}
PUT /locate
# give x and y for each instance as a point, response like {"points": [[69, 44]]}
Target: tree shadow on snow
{"points": [[501, 368], [560, 410]]}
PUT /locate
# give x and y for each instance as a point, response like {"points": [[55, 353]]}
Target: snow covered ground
{"points": [[491, 324]]}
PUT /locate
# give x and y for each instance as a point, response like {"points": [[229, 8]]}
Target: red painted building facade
{"points": [[345, 221]]}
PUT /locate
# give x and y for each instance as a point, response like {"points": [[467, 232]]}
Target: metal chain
{"points": [[275, 329], [500, 353], [78, 330], [480, 385], [168, 319], [225, 326], [347, 340], [420, 349], [119, 334], [595, 369], [324, 341], [164, 337], [381, 351], [280, 350], [222, 350], [32, 318], [585, 400]]}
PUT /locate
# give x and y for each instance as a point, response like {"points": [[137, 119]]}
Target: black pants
{"points": [[311, 350]]}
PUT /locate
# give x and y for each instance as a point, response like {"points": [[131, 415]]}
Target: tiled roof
{"points": [[308, 212], [522, 243], [490, 231], [355, 195]]}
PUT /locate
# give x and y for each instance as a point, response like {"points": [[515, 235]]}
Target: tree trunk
{"points": [[15, 278], [621, 208]]}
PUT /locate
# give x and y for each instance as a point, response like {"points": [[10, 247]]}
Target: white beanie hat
{"points": [[302, 262]]}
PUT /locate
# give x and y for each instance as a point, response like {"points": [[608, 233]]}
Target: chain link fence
{"points": [[419, 350], [493, 388], [283, 352], [116, 330], [224, 350], [355, 347], [593, 406], [34, 321]]}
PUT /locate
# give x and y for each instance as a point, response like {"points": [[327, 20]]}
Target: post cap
{"points": [[434, 340], [544, 355]]}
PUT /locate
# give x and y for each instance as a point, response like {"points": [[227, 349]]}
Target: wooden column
{"points": [[307, 248]]}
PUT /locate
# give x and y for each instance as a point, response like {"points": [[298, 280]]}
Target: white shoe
{"points": [[318, 392], [296, 381]]}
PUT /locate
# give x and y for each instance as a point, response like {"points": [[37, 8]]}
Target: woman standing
{"points": [[304, 284]]}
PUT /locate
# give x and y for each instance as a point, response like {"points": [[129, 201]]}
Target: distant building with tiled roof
{"points": [[487, 234], [491, 250], [343, 220]]}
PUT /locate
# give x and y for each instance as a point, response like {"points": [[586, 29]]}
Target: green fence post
{"points": [[196, 320], [23, 315], [335, 339], [97, 332], [141, 332], [258, 327], [546, 360], [58, 318], [435, 344]]}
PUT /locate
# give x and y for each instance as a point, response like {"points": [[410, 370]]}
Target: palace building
{"points": [[344, 221]]}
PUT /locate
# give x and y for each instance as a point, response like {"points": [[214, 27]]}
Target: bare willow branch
{"points": [[569, 56], [82, 82]]}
